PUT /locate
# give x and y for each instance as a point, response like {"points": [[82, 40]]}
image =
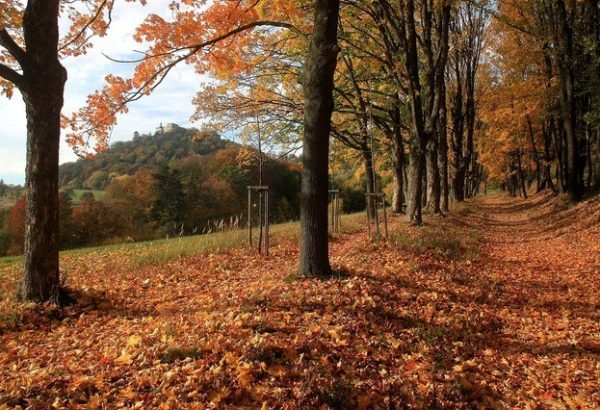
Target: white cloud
{"points": [[171, 102]]}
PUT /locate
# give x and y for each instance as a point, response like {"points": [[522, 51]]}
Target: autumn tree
{"points": [[30, 61], [419, 29], [565, 35], [197, 36], [468, 29]]}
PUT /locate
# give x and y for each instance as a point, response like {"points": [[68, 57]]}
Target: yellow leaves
{"points": [[217, 396], [124, 359], [336, 334], [245, 375], [134, 341]]}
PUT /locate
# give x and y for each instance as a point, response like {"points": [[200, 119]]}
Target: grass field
{"points": [[140, 253]]}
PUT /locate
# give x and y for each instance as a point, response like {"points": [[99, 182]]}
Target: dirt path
{"points": [[541, 261]]}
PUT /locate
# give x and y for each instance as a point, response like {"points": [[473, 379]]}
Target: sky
{"points": [[171, 102]]}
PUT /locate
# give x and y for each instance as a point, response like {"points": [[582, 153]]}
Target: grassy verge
{"points": [[141, 253]]}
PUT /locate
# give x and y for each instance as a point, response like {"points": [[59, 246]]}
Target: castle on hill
{"points": [[168, 127]]}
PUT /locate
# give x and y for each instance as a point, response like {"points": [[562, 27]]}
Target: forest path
{"points": [[540, 269]]}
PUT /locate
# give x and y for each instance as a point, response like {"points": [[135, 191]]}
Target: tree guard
{"points": [[263, 216], [379, 198], [335, 209]]}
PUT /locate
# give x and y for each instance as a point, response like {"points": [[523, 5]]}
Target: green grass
{"points": [[142, 253], [7, 202], [77, 194]]}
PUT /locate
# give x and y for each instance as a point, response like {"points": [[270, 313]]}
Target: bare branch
{"points": [[197, 47]]}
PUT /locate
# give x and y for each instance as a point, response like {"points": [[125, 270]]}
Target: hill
{"points": [[174, 182], [144, 152]]}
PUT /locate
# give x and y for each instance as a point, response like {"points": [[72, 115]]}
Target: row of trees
{"points": [[543, 105], [405, 89]]}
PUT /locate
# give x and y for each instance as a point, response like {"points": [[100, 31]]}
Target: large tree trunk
{"points": [[567, 100], [536, 158], [458, 167], [43, 95], [547, 164], [414, 212], [520, 175], [458, 180], [317, 83]]}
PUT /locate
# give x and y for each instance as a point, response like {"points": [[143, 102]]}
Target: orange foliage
{"points": [[16, 224], [196, 34], [88, 18], [516, 92]]}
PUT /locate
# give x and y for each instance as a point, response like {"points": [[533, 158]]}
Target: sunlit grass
{"points": [[142, 253]]}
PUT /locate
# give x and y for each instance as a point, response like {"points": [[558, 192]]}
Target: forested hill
{"points": [[175, 182], [145, 152]]}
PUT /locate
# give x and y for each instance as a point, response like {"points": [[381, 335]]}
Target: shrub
{"points": [[174, 354], [5, 241]]}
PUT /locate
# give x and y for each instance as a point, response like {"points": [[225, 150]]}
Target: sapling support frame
{"points": [[263, 215], [335, 209], [379, 198]]}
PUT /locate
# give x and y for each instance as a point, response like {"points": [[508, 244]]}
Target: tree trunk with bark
{"points": [[317, 81], [433, 177], [414, 210], [564, 35], [443, 152], [398, 177], [42, 89]]}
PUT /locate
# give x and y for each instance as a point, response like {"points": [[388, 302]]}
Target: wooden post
{"points": [[368, 217], [337, 212], [379, 198], [335, 209], [263, 215], [249, 217], [385, 215], [333, 213], [267, 222], [376, 199]]}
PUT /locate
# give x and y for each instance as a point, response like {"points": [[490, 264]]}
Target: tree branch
{"points": [[89, 23], [197, 47], [13, 48], [12, 76]]}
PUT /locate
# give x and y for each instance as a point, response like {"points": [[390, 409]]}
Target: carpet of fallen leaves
{"points": [[514, 323]]}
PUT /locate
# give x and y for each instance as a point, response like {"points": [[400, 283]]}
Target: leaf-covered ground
{"points": [[494, 306]]}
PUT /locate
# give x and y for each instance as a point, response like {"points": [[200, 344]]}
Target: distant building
{"points": [[168, 127]]}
